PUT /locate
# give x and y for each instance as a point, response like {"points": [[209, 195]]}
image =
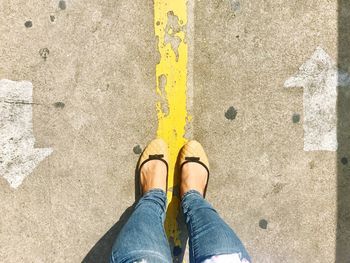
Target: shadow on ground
{"points": [[101, 251], [343, 133], [174, 207]]}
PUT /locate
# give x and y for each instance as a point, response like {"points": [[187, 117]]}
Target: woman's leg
{"points": [[142, 239], [209, 235]]}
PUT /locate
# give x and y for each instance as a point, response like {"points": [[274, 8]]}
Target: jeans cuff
{"points": [[188, 197], [191, 192], [155, 191]]}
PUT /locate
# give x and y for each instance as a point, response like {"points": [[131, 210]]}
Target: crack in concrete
{"points": [[20, 102]]}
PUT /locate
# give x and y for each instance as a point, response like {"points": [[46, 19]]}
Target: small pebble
{"points": [[231, 113], [263, 224], [296, 118], [137, 149], [28, 24], [44, 52], [235, 5], [59, 105], [344, 160], [62, 5]]}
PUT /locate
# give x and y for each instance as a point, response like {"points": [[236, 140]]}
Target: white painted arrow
{"points": [[320, 78], [18, 157]]}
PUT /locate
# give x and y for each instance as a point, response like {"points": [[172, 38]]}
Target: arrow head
{"points": [[320, 77], [18, 157], [17, 169], [319, 66]]}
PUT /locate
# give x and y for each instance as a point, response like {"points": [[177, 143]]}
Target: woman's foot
{"points": [[153, 166], [193, 177], [153, 176], [194, 168]]}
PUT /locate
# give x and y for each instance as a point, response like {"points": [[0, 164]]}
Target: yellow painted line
{"points": [[170, 19]]}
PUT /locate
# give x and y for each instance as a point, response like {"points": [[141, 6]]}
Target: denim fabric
{"points": [[142, 238], [209, 235]]}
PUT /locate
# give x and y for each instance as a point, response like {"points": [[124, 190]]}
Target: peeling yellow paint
{"points": [[170, 19]]}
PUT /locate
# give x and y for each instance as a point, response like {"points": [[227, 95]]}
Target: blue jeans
{"points": [[143, 239]]}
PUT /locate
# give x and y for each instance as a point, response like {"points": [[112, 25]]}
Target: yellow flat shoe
{"points": [[193, 151], [155, 150]]}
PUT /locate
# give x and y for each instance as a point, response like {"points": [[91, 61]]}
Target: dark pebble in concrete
{"points": [[44, 52], [137, 149], [52, 18], [28, 24], [263, 224], [296, 118], [344, 160], [177, 251], [62, 5], [236, 5], [59, 105], [231, 113]]}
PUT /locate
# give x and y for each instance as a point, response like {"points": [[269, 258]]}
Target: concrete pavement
{"points": [[92, 67]]}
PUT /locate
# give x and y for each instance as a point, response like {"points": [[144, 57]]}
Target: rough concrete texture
{"points": [[92, 66], [95, 102], [261, 176]]}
